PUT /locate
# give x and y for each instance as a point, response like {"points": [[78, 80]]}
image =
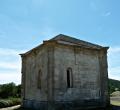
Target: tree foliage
{"points": [[10, 90], [114, 85]]}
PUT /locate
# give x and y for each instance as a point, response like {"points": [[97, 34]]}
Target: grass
{"points": [[9, 102]]}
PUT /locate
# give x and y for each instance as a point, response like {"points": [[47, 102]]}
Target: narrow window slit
{"points": [[69, 78], [39, 79]]}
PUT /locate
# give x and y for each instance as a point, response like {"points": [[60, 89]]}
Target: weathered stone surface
{"points": [[87, 81], [86, 74], [33, 63]]}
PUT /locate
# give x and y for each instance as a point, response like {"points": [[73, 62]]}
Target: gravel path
{"points": [[11, 108]]}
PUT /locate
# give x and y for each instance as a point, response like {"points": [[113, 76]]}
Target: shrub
{"points": [[9, 102]]}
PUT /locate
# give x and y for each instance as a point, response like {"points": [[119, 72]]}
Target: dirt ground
{"points": [[115, 101], [11, 108]]}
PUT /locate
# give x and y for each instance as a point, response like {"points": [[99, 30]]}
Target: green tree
{"points": [[113, 84], [8, 90], [18, 88]]}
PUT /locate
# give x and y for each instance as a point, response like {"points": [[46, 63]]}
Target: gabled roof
{"points": [[67, 40], [74, 41]]}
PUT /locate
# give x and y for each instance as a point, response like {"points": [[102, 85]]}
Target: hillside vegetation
{"points": [[114, 85]]}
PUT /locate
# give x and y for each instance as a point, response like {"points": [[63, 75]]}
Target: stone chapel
{"points": [[65, 73]]}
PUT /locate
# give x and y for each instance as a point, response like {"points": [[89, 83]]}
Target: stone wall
{"points": [[86, 74], [33, 63], [89, 69]]}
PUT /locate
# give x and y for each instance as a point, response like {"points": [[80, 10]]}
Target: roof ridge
{"points": [[74, 40], [64, 39]]}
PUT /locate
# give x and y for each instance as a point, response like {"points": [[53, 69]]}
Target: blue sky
{"points": [[24, 24]]}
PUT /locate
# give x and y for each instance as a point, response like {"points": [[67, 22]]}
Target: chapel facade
{"points": [[65, 73]]}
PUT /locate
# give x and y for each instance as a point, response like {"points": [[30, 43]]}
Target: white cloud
{"points": [[114, 50], [114, 72], [107, 14], [114, 62], [10, 77], [7, 51], [113, 56], [10, 65]]}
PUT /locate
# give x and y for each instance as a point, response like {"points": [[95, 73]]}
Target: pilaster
{"points": [[50, 75], [23, 77], [104, 76]]}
